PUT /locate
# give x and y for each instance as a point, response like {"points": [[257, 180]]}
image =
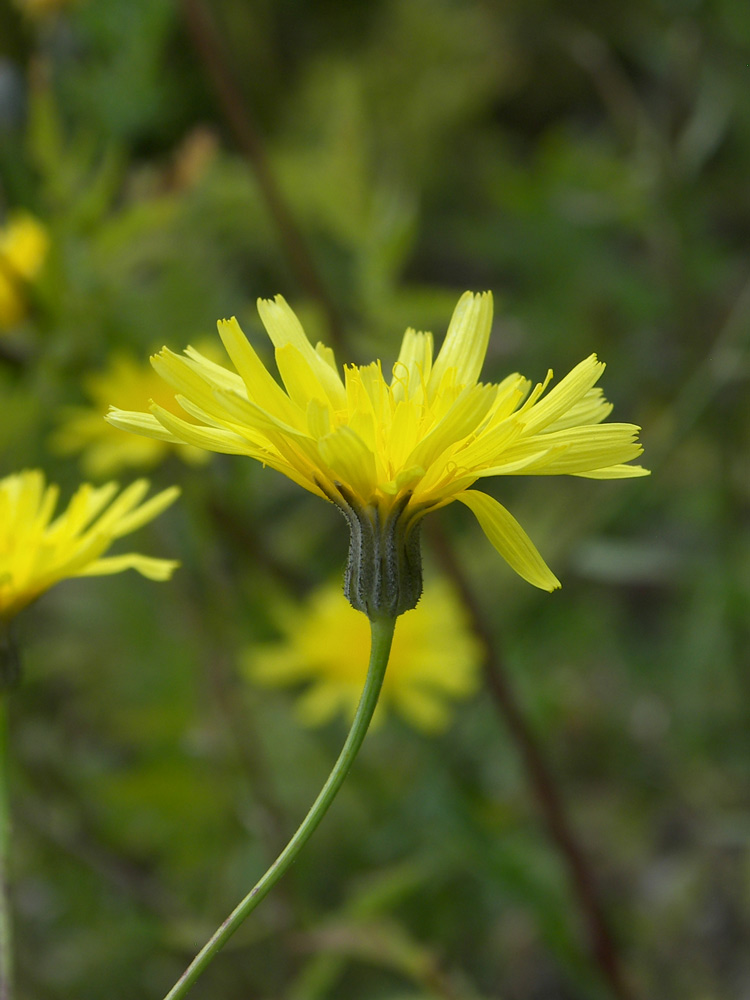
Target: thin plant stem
{"points": [[382, 636], [604, 947], [6, 936], [211, 50]]}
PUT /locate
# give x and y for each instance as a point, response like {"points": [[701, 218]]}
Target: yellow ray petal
{"points": [[510, 540], [615, 472], [185, 377], [139, 423], [153, 569], [592, 409], [86, 503], [489, 445], [565, 395], [283, 328], [326, 353], [262, 387], [123, 506], [465, 344], [300, 380], [146, 511], [212, 372], [581, 449], [318, 418], [411, 372], [211, 438], [463, 418], [351, 460]]}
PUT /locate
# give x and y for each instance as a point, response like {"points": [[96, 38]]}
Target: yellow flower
{"points": [[128, 384], [387, 451], [36, 552], [23, 246], [434, 658]]}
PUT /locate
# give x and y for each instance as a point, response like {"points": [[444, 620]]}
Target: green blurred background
{"points": [[587, 162]]}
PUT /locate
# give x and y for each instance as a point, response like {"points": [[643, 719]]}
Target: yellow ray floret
{"points": [[37, 549], [409, 442], [434, 659]]}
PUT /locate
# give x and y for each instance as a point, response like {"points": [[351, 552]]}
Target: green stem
{"points": [[382, 636], [6, 948]]}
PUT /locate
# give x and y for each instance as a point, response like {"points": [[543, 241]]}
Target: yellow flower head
{"points": [[387, 450], [104, 451], [23, 246], [434, 658], [37, 550]]}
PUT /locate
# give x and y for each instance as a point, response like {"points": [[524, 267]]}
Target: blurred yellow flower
{"points": [[388, 451], [36, 552], [23, 247], [104, 450], [434, 659]]}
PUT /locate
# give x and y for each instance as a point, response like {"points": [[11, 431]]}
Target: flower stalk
{"points": [[382, 629]]}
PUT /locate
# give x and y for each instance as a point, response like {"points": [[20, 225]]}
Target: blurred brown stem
{"points": [[218, 608], [240, 534], [539, 775], [77, 838], [210, 49], [11, 357], [233, 711]]}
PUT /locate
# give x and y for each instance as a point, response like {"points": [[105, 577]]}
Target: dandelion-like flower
{"points": [[126, 383], [23, 247], [434, 658], [388, 450], [38, 550]]}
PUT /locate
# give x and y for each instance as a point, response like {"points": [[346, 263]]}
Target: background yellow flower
{"points": [[23, 247], [434, 658], [104, 450], [37, 550]]}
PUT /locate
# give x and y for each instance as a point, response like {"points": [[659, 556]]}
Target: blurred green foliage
{"points": [[589, 164]]}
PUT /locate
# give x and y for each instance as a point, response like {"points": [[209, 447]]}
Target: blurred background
{"points": [[163, 164]]}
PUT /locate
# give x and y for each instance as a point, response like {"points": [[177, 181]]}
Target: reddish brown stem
{"points": [[539, 775], [209, 47]]}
